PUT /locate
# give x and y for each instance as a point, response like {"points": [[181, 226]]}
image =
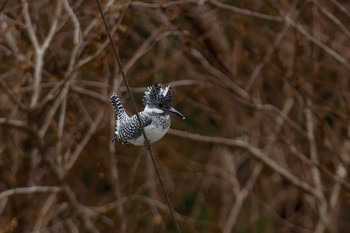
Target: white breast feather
{"points": [[153, 132]]}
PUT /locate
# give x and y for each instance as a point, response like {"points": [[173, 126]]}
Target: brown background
{"points": [[264, 86]]}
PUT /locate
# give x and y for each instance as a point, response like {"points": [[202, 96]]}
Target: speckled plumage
{"points": [[155, 117]]}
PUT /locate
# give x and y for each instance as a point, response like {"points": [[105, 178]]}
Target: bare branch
{"points": [[146, 46], [11, 95], [255, 152], [29, 190], [77, 38], [242, 194], [42, 218], [39, 49], [245, 12], [319, 43], [29, 25], [84, 141], [267, 56], [218, 74], [322, 205], [16, 124], [161, 5], [341, 7], [332, 17]]}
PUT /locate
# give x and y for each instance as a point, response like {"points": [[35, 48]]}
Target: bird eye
{"points": [[161, 105]]}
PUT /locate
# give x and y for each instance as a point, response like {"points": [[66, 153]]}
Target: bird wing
{"points": [[131, 128]]}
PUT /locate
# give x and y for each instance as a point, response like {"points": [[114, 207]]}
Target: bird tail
{"points": [[117, 105]]}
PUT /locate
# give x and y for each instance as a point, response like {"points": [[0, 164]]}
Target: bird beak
{"points": [[175, 112]]}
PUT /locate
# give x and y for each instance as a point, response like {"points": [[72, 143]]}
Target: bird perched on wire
{"points": [[155, 117]]}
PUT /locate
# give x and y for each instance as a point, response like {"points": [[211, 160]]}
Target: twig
{"points": [[245, 12], [71, 71], [217, 73], [42, 216], [11, 95], [161, 5], [269, 53], [82, 212], [332, 18], [312, 142], [319, 43], [53, 110], [3, 5], [84, 141], [152, 202], [242, 194], [341, 172], [146, 46], [256, 152], [39, 49], [341, 7], [16, 124], [92, 94], [77, 36], [147, 144], [29, 190], [322, 203]]}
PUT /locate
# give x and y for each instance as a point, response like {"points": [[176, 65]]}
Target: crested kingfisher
{"points": [[155, 117]]}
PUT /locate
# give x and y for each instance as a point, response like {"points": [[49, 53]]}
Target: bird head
{"points": [[159, 100]]}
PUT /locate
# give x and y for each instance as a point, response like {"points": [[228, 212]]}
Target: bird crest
{"points": [[156, 95]]}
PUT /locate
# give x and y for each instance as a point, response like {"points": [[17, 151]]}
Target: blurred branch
{"points": [[16, 124], [161, 5], [92, 94], [151, 202], [218, 74], [87, 136], [83, 109], [42, 216], [30, 190], [59, 175], [11, 95], [245, 12], [257, 153], [313, 150], [241, 194], [146, 46], [322, 204], [51, 113], [269, 53], [341, 7], [39, 49], [61, 120], [319, 43], [77, 36], [82, 212], [332, 18], [2, 5], [77, 41], [29, 25], [334, 199]]}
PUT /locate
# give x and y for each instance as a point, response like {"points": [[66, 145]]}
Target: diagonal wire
{"points": [[147, 143]]}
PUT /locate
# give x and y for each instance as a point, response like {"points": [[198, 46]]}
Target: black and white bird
{"points": [[155, 117]]}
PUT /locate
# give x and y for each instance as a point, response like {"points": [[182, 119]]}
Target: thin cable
{"points": [[147, 144]]}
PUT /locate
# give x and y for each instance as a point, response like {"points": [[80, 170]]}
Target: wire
{"points": [[147, 143]]}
